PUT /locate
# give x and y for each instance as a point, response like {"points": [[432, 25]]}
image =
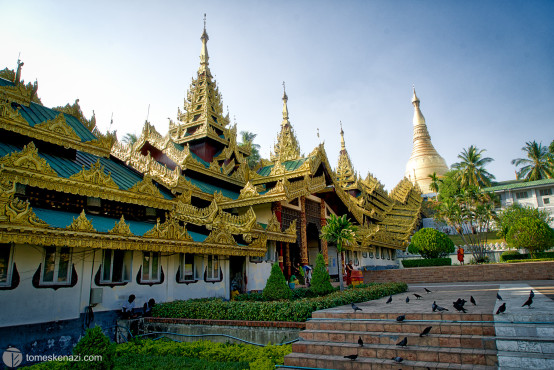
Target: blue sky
{"points": [[484, 71]]}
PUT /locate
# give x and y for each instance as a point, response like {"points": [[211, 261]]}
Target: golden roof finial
{"points": [[418, 116], [285, 108], [345, 171], [204, 57], [342, 145], [287, 147]]}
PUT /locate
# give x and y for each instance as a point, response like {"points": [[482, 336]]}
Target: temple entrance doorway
{"points": [[236, 275]]}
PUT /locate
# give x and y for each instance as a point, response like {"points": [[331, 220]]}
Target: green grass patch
{"points": [[531, 260], [491, 238], [284, 310]]}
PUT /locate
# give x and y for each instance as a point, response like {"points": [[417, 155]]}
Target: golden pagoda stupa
{"points": [[424, 160]]}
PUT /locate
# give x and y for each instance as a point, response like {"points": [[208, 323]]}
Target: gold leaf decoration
{"points": [[75, 110], [95, 175], [19, 212], [170, 229], [274, 225], [146, 186], [291, 230], [220, 236], [81, 223], [8, 112], [58, 126], [121, 228], [249, 191], [28, 159]]}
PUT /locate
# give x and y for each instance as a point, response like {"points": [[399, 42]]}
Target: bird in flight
{"points": [[425, 331], [403, 342], [360, 342], [427, 290], [501, 309], [389, 300], [352, 357], [498, 296], [528, 302], [417, 296], [401, 318], [355, 308], [472, 300]]}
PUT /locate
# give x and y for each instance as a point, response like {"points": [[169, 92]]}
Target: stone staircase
{"points": [[456, 341]]}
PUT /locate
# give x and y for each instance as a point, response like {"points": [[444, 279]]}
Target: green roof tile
{"points": [[289, 166], [519, 185], [210, 188]]}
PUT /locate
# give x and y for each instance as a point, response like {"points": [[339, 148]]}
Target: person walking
{"points": [[461, 255]]}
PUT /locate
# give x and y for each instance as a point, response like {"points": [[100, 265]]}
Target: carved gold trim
{"points": [[146, 186], [95, 175], [28, 159], [81, 223], [121, 228], [170, 229], [58, 126]]}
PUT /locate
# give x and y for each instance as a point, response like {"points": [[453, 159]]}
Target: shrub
{"points": [[427, 262], [532, 234], [321, 283], [276, 286], [94, 343], [510, 216], [510, 255], [531, 260], [299, 310], [431, 243]]}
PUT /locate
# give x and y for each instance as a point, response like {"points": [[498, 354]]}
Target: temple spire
{"points": [[346, 175], [285, 108], [204, 57], [287, 147], [342, 145], [424, 160]]}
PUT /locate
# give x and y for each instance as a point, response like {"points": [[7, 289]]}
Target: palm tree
{"points": [[434, 185], [537, 165], [248, 142], [129, 139], [471, 168], [339, 230]]}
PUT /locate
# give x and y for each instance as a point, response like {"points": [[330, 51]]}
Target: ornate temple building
{"points": [[85, 220], [425, 160]]}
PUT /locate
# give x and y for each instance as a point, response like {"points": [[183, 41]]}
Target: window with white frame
{"points": [[377, 252], [116, 266], [212, 267], [5, 264], [522, 195], [187, 264], [57, 265], [545, 192], [150, 266]]}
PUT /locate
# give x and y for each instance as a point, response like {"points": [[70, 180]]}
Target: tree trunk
{"points": [[339, 258]]}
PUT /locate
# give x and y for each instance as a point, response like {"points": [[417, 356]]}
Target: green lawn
{"points": [[491, 238]]}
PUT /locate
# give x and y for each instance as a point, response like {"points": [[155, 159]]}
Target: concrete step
{"points": [[526, 344], [363, 363], [481, 328], [522, 360], [433, 339], [448, 316], [412, 352]]}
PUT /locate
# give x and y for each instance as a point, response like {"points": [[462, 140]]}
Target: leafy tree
{"points": [[434, 185], [551, 147], [532, 234], [247, 141], [276, 286], [321, 283], [509, 216], [431, 243], [471, 168], [470, 212], [95, 343], [537, 165], [341, 232], [129, 139]]}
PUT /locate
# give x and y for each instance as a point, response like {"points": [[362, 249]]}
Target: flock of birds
{"points": [[458, 305]]}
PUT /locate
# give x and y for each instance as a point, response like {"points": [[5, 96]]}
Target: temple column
{"points": [[288, 263], [281, 265], [323, 222], [303, 234]]}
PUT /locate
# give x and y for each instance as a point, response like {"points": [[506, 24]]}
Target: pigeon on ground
{"points": [[472, 300], [355, 308], [398, 359], [389, 300], [528, 302], [403, 342], [501, 309], [425, 331], [461, 302], [459, 306], [434, 306], [401, 318], [532, 294], [498, 296], [407, 299], [417, 296], [360, 342], [352, 357], [440, 309], [427, 290]]}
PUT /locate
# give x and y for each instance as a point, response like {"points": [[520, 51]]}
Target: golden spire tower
{"points": [[424, 160], [345, 171], [286, 148]]}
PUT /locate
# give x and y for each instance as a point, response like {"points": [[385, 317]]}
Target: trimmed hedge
{"points": [[427, 262], [510, 255], [285, 310], [525, 256]]}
